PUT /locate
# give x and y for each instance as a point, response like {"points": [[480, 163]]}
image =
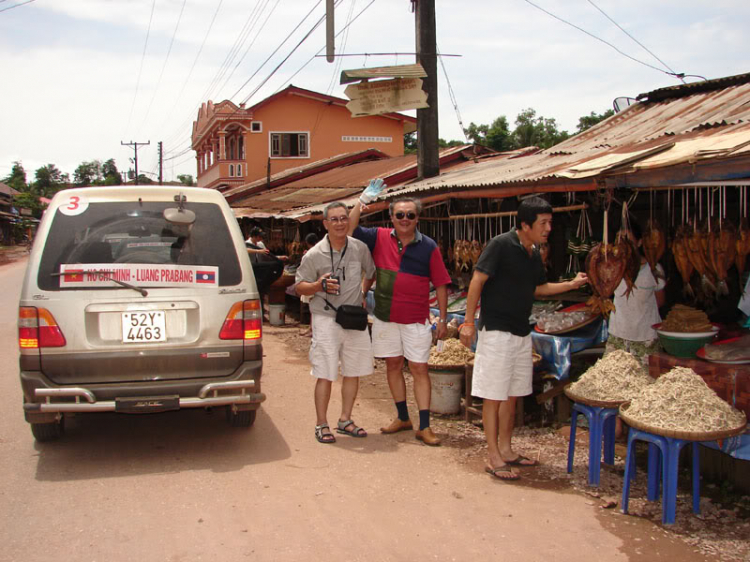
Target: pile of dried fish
{"points": [[616, 377], [737, 350], [556, 321], [454, 353], [686, 319], [680, 400]]}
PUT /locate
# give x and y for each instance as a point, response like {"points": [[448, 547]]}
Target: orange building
{"points": [[235, 145]]}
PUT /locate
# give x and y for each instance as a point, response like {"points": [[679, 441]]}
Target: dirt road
{"points": [[184, 486]]}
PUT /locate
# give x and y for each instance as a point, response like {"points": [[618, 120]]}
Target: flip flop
{"points": [[520, 460], [505, 470]]}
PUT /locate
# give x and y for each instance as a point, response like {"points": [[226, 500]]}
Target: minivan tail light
{"points": [[38, 328], [243, 322]]}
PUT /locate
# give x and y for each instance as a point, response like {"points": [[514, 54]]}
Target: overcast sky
{"points": [[80, 76]]}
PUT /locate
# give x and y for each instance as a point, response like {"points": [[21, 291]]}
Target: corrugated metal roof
{"points": [[694, 87], [699, 126]]}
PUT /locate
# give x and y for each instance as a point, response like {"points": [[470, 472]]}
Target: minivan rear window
{"points": [[136, 232]]}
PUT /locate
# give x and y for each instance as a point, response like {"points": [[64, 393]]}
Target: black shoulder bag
{"points": [[348, 316]]}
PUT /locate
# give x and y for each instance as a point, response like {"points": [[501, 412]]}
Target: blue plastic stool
{"points": [[663, 460], [601, 426]]}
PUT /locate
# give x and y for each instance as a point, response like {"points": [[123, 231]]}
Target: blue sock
{"points": [[403, 413], [424, 419]]}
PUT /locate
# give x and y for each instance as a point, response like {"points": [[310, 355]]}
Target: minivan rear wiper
{"points": [[109, 277]]}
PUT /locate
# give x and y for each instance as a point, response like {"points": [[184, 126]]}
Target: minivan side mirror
{"points": [[179, 216]]}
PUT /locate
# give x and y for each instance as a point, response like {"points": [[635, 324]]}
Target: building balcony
{"points": [[224, 172]]}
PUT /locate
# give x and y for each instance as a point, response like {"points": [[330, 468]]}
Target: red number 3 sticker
{"points": [[74, 205]]}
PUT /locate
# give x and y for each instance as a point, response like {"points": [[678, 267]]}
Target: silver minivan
{"points": [[138, 299]]}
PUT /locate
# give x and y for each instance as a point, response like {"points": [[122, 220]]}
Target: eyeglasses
{"points": [[410, 215], [336, 220]]}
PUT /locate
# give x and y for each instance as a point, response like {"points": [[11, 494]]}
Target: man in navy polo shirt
{"points": [[406, 262], [508, 276]]}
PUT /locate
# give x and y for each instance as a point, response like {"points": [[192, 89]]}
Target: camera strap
{"points": [[341, 258]]}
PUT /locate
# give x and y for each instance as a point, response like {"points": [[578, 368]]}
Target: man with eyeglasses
{"points": [[407, 263], [340, 270]]}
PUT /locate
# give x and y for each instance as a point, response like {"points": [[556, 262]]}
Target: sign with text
{"points": [[139, 275], [385, 96]]}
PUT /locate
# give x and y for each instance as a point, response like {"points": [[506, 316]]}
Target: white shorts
{"points": [[413, 341], [503, 365], [331, 345]]}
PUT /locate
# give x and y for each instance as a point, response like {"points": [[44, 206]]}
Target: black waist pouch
{"points": [[350, 317]]}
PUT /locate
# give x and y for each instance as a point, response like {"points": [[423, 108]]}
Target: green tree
{"points": [[536, 131], [28, 200], [49, 180], [186, 179], [410, 143], [588, 121], [496, 136], [442, 143], [88, 173], [144, 180], [111, 174], [17, 177]]}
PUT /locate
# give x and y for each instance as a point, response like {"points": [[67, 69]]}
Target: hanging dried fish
{"points": [[684, 266], [722, 249], [742, 246], [654, 244]]}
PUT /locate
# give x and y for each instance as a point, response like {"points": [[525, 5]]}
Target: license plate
{"points": [[144, 326], [147, 405]]}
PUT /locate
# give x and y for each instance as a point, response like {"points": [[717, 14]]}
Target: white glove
{"points": [[372, 191]]}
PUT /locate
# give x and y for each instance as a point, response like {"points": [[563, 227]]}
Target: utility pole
{"points": [[428, 162], [135, 146], [161, 163]]}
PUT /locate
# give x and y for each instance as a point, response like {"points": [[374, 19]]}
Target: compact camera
{"points": [[332, 278]]}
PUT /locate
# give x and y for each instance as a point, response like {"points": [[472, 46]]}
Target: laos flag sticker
{"points": [[205, 276]]}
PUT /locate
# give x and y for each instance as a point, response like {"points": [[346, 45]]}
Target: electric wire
{"points": [[595, 37], [192, 68], [452, 96], [236, 46], [279, 47], [140, 67], [606, 15], [17, 5], [164, 66]]}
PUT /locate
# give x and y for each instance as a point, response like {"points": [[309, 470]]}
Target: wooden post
{"points": [[428, 164]]}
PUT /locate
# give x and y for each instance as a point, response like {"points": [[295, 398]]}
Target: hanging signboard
{"points": [[385, 96]]}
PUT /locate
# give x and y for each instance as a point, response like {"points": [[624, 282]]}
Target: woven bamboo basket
{"points": [[686, 435]]}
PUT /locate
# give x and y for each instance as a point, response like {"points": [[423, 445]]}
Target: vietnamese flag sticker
{"points": [[205, 277], [73, 275]]}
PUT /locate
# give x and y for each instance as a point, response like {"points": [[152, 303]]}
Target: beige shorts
{"points": [[503, 365], [412, 341], [333, 346]]}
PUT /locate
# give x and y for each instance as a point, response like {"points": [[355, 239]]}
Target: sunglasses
{"points": [[410, 215]]}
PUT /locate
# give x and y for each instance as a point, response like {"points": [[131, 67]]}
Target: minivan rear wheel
{"points": [[44, 432], [241, 418]]}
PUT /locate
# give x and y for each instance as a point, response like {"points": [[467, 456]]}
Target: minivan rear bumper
{"points": [[43, 397]]}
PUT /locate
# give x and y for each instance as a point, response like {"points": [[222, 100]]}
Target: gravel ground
{"points": [[721, 531]]}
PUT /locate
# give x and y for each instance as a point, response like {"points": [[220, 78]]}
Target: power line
{"points": [[634, 39], [279, 47], [595, 37], [17, 5], [140, 68], [164, 66], [452, 96]]}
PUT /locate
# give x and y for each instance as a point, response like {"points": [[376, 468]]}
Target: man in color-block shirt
{"points": [[407, 262]]}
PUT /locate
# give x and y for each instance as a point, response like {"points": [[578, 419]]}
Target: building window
{"points": [[231, 170], [256, 127], [241, 148], [239, 170], [290, 145]]}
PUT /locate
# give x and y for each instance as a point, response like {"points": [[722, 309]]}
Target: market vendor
{"points": [[744, 304], [637, 310], [508, 276]]}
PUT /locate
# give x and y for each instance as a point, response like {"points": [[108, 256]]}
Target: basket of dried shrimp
{"points": [[680, 405], [591, 402]]}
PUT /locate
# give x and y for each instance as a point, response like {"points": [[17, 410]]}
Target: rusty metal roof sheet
{"points": [[697, 126], [285, 176]]}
